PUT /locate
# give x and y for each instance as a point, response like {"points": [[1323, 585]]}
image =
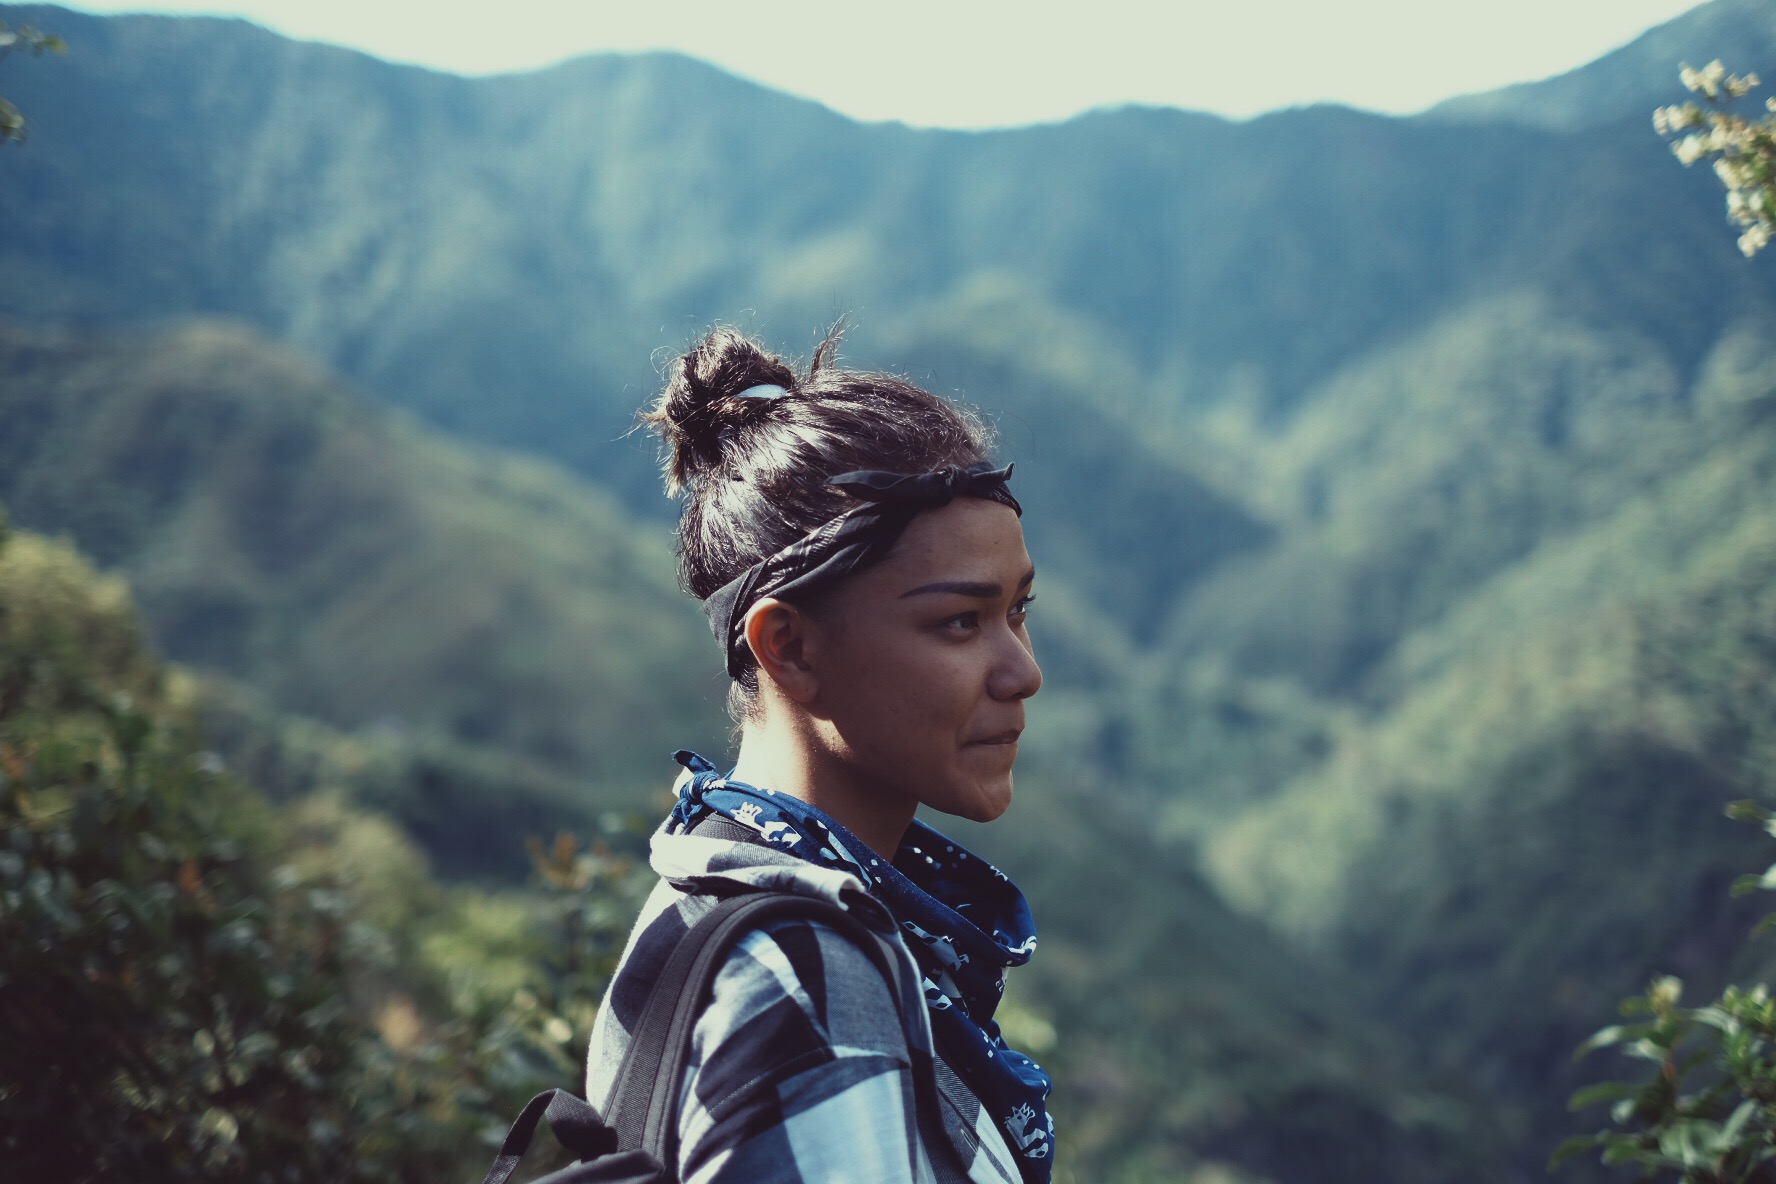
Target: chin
{"points": [[986, 802]]}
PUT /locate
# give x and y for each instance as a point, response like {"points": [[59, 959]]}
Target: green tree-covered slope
{"points": [[1189, 1043], [1530, 821], [352, 566]]}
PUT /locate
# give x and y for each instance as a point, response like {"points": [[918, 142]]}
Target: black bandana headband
{"points": [[852, 541]]}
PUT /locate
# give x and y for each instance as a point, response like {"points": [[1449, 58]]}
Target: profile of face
{"points": [[917, 667]]}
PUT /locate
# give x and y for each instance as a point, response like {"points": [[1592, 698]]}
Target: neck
{"points": [[792, 760]]}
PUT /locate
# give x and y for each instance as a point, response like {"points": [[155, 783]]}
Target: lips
{"points": [[1009, 736]]}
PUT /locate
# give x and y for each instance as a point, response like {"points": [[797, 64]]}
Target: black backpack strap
{"points": [[575, 1123], [644, 1103]]}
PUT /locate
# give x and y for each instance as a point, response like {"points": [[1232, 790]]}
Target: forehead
{"points": [[969, 539]]}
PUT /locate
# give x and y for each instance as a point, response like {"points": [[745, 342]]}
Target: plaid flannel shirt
{"points": [[803, 1066]]}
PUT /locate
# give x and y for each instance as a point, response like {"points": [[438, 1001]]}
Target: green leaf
{"points": [[1747, 884], [1607, 1091], [1571, 1147], [1746, 810], [1653, 1050], [1729, 1132], [1602, 1038], [12, 124]]}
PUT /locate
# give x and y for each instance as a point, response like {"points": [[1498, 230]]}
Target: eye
{"points": [[961, 623], [1021, 610]]}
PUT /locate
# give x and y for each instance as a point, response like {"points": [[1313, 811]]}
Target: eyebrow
{"points": [[969, 588]]}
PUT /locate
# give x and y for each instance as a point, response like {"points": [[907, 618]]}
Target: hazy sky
{"points": [[985, 63]]}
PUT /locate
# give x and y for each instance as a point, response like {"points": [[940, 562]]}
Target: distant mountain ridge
{"points": [[1631, 80], [358, 210]]}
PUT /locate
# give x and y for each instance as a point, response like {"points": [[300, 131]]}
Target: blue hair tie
{"points": [[764, 390]]}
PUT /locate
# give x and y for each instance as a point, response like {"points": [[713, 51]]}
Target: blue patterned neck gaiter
{"points": [[963, 920]]}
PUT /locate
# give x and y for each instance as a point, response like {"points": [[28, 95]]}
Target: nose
{"points": [[1015, 674]]}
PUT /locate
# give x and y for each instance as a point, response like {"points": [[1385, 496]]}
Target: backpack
{"points": [[638, 1142]]}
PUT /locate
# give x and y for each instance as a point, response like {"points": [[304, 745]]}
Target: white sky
{"points": [[987, 63]]}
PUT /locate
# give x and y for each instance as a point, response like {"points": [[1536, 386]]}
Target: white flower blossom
{"points": [[1706, 81], [1712, 75], [1677, 118], [1743, 152]]}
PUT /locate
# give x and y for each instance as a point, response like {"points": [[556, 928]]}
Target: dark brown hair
{"points": [[753, 470]]}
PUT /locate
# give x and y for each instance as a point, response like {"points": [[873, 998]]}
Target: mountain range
{"points": [[1400, 488]]}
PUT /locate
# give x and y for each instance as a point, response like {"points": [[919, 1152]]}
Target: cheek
{"points": [[911, 692]]}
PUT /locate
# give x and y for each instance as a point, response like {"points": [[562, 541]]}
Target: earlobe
{"points": [[777, 634]]}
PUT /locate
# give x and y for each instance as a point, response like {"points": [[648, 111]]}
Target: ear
{"points": [[777, 632]]}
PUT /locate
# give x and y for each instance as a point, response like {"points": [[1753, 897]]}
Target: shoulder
{"points": [[801, 984], [790, 986], [807, 949], [805, 1062], [803, 1048]]}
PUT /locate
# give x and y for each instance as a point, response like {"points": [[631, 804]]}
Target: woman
{"points": [[864, 571]]}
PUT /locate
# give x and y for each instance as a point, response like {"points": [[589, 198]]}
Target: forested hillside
{"points": [[354, 567], [1401, 490]]}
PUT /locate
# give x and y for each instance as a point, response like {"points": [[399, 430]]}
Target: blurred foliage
{"points": [[30, 40], [1743, 150], [197, 984], [1707, 1113], [167, 1012]]}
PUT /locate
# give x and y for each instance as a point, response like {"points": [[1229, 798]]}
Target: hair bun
{"points": [[702, 400]]}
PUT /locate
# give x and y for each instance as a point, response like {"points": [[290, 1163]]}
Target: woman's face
{"points": [[924, 662]]}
